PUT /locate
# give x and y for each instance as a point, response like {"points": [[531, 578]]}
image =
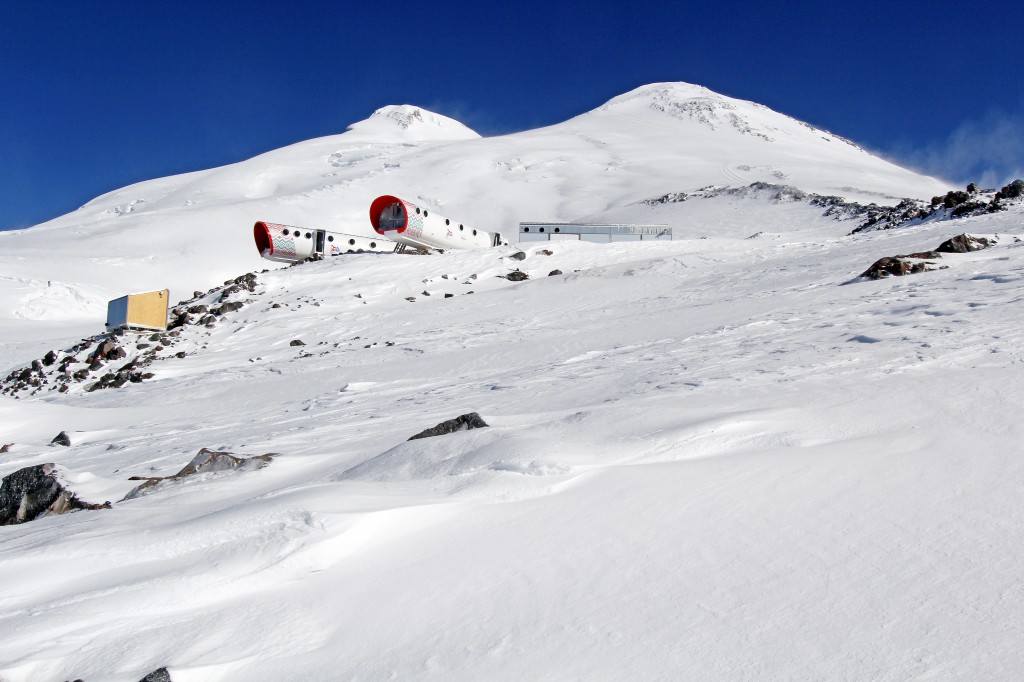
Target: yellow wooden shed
{"points": [[147, 310]]}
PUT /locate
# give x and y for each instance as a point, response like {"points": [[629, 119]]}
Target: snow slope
{"points": [[711, 458]]}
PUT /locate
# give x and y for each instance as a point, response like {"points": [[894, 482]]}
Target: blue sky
{"points": [[99, 95]]}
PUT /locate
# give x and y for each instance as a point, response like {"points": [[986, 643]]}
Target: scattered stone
{"points": [[463, 422], [297, 342], [518, 255], [546, 252], [554, 272], [35, 492], [449, 295], [425, 293], [5, 448], [276, 305], [206, 461], [411, 299], [61, 438], [49, 358]]}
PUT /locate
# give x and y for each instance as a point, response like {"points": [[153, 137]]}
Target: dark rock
{"points": [[449, 295], [158, 675], [546, 252], [955, 198], [180, 354], [5, 448], [197, 294], [198, 309], [206, 461], [516, 275], [411, 299], [276, 305], [425, 293], [115, 353], [49, 358], [154, 337], [96, 365], [37, 366], [973, 188], [208, 320], [963, 243], [35, 492], [297, 342], [81, 375], [25, 374], [518, 255], [463, 422], [554, 272], [61, 438]]}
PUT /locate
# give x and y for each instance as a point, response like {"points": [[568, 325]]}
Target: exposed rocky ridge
{"points": [[954, 204], [125, 355]]}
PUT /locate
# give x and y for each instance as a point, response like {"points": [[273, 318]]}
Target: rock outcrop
{"points": [[206, 461]]}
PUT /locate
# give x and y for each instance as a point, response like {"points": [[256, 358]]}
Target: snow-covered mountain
{"points": [[725, 456], [194, 230]]}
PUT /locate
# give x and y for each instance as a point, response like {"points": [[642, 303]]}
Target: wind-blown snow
{"points": [[719, 457]]}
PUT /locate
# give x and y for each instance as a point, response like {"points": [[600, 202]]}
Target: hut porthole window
{"points": [[373, 245], [352, 242], [285, 232], [330, 237]]}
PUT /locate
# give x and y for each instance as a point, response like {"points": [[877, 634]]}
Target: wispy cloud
{"points": [[989, 151]]}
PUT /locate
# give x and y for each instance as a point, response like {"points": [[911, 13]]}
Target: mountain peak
{"points": [[407, 123]]}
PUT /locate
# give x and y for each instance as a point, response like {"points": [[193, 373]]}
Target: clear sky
{"points": [[98, 95]]}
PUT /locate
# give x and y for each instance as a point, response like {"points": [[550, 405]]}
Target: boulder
{"points": [[464, 422], [963, 243], [554, 272], [61, 438], [158, 675], [518, 255], [35, 492]]}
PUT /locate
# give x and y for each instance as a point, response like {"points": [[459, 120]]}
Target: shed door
{"points": [[320, 237]]}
